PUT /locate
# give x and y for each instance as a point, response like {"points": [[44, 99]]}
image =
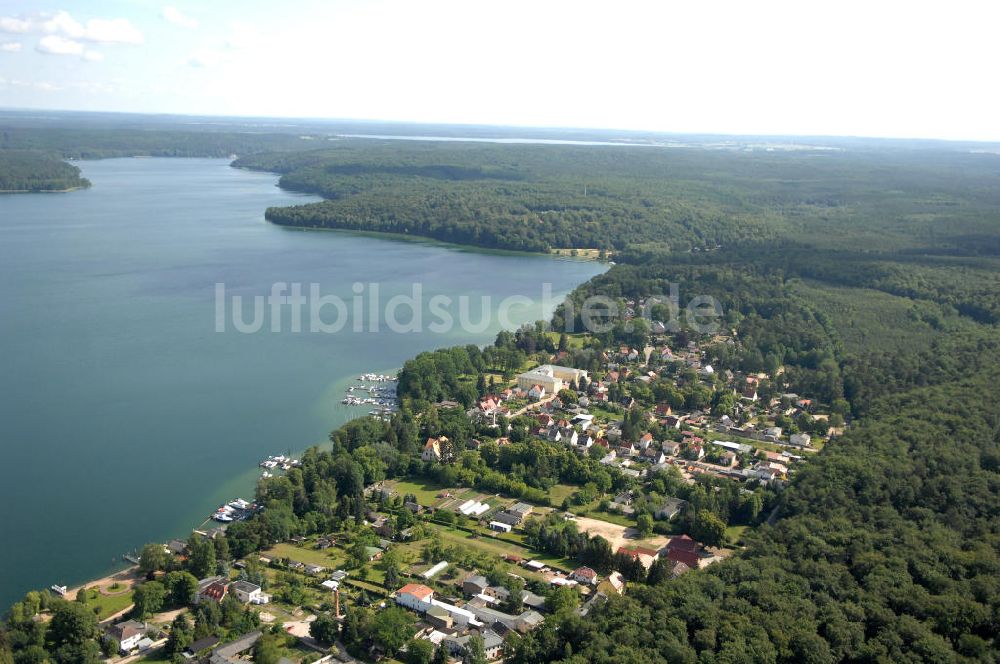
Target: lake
{"points": [[126, 415]]}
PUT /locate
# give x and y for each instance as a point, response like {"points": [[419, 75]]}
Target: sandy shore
{"points": [[126, 578]]}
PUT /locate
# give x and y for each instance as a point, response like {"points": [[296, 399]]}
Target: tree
{"points": [[181, 587], [201, 563], [325, 629], [180, 635], [440, 656], [110, 646], [72, 623], [561, 599], [475, 650], [644, 523], [419, 651], [708, 528], [153, 558], [391, 628], [266, 650], [148, 599]]}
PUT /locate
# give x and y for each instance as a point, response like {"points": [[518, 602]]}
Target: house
{"points": [[492, 644], [500, 527], [432, 449], [201, 645], [643, 555], [521, 510], [213, 588], [415, 596], [584, 575], [127, 634], [685, 550], [669, 508], [627, 450], [536, 392], [768, 471], [533, 601], [234, 652], [800, 439], [249, 593], [475, 584], [670, 448], [313, 570], [645, 441], [727, 459], [615, 583]]}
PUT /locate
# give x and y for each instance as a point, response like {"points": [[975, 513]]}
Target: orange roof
{"points": [[417, 590]]}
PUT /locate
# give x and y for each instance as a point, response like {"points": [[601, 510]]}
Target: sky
{"points": [[814, 67]]}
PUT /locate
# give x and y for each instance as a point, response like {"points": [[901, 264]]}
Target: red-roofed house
{"points": [[415, 596], [643, 555], [685, 550], [584, 575]]}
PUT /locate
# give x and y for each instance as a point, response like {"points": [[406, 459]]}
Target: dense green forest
{"points": [[538, 197], [24, 170]]}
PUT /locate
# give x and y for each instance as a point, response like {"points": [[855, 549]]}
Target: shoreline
{"points": [[45, 191]]}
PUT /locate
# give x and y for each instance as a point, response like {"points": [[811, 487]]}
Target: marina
{"points": [[377, 390]]}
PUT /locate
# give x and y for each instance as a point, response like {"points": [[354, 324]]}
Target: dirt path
{"points": [[531, 406]]}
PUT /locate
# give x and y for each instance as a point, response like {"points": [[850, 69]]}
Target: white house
{"points": [[128, 634], [415, 596], [249, 593], [432, 449]]}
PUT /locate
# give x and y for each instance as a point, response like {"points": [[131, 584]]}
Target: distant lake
{"points": [[126, 417]]}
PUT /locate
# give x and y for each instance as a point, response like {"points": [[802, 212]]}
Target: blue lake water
{"points": [[125, 416]]}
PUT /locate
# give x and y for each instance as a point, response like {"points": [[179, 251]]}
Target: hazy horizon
{"points": [[895, 70]]}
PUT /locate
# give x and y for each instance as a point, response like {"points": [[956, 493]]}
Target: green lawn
{"points": [[109, 604], [496, 547], [425, 492], [560, 492], [735, 533], [330, 558]]}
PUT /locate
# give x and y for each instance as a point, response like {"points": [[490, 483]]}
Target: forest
{"points": [[31, 171], [616, 198]]}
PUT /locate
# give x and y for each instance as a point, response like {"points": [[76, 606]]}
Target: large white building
{"points": [[553, 378]]}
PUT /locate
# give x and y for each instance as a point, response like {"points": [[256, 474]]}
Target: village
{"points": [[466, 571]]}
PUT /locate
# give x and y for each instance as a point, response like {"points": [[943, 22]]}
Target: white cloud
{"points": [[112, 31], [93, 56], [62, 24], [57, 45], [179, 18], [14, 25], [10, 47]]}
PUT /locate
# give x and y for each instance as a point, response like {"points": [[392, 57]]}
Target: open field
{"points": [[616, 534], [306, 555]]}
